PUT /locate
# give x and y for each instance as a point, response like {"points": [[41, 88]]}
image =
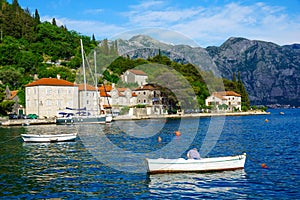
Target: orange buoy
{"points": [[177, 133], [159, 139], [264, 165], [267, 120]]}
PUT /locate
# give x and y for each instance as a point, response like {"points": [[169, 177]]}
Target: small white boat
{"points": [[49, 138], [161, 165]]}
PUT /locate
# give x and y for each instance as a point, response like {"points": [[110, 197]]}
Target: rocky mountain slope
{"points": [[270, 73]]}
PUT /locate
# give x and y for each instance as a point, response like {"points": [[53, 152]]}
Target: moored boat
{"points": [[49, 137], [161, 165]]}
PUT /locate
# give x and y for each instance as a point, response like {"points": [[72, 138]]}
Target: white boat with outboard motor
{"points": [[161, 165]]}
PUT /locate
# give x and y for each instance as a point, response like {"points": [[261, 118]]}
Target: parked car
{"points": [[22, 116], [31, 116], [12, 116]]}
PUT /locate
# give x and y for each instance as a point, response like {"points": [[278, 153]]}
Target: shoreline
{"points": [[23, 122], [192, 115]]}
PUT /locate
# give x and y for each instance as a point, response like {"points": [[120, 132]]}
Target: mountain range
{"points": [[270, 72]]}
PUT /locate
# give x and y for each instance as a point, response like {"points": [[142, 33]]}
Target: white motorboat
{"points": [[49, 137], [162, 165]]}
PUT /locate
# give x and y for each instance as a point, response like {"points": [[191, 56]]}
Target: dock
{"points": [[21, 122]]}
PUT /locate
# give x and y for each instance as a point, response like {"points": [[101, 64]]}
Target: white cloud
{"points": [[93, 11], [99, 29], [205, 25], [213, 25]]}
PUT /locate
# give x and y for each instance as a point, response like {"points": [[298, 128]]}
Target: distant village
{"points": [[53, 97]]}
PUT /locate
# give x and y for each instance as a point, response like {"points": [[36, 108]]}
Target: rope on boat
{"points": [[9, 140]]}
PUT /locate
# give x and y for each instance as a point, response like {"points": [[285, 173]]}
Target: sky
{"points": [[195, 22]]}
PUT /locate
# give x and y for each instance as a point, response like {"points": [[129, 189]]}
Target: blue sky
{"points": [[195, 22]]}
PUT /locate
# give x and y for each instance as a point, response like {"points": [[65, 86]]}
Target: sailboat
{"points": [[85, 114]]}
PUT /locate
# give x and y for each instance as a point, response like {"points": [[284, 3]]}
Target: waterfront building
{"points": [[224, 101], [46, 96]]}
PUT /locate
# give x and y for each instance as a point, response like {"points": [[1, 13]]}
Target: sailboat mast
{"points": [[83, 65], [96, 81]]}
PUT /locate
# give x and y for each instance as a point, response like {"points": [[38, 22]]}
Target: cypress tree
{"points": [[53, 22], [37, 17], [243, 92]]}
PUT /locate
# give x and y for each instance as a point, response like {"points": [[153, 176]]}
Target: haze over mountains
{"points": [[270, 73]]}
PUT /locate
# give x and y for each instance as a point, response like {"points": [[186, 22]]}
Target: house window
{"points": [[48, 91], [48, 102], [59, 102], [144, 93], [145, 101]]}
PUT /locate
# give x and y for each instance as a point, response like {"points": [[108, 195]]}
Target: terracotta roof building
{"points": [[135, 76], [225, 100], [46, 96]]}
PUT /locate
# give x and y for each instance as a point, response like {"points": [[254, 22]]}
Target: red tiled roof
{"points": [[108, 88], [81, 87], [13, 94], [134, 94], [106, 106], [146, 87], [226, 93], [138, 72], [121, 89], [50, 81], [104, 94]]}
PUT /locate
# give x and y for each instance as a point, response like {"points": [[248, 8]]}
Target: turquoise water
{"points": [[100, 164]]}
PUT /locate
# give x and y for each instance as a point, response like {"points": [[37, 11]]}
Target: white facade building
{"points": [[46, 96], [89, 98], [230, 99], [135, 76]]}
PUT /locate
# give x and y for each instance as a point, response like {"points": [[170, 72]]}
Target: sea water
{"points": [[106, 161]]}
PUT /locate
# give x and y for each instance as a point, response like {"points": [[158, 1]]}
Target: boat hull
{"points": [[49, 138], [82, 120], [161, 165]]}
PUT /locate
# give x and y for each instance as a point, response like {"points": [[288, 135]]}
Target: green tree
{"points": [[6, 106], [54, 22], [37, 17], [242, 91]]}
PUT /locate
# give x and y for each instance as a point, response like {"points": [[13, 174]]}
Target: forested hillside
{"points": [[29, 47]]}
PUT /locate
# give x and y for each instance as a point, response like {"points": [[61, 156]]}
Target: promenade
{"points": [[24, 122]]}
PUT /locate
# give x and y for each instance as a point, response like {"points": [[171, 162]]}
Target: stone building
{"points": [[225, 100], [135, 76], [46, 96]]}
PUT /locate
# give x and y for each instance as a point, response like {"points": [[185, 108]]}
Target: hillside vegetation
{"points": [[29, 47]]}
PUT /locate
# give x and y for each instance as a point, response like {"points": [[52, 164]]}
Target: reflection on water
{"points": [[71, 171], [193, 183], [50, 129]]}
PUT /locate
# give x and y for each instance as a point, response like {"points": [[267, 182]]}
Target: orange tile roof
{"points": [[104, 94], [134, 94], [108, 88], [50, 81], [225, 93], [13, 94], [106, 106], [146, 87], [121, 89], [138, 72], [81, 87]]}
